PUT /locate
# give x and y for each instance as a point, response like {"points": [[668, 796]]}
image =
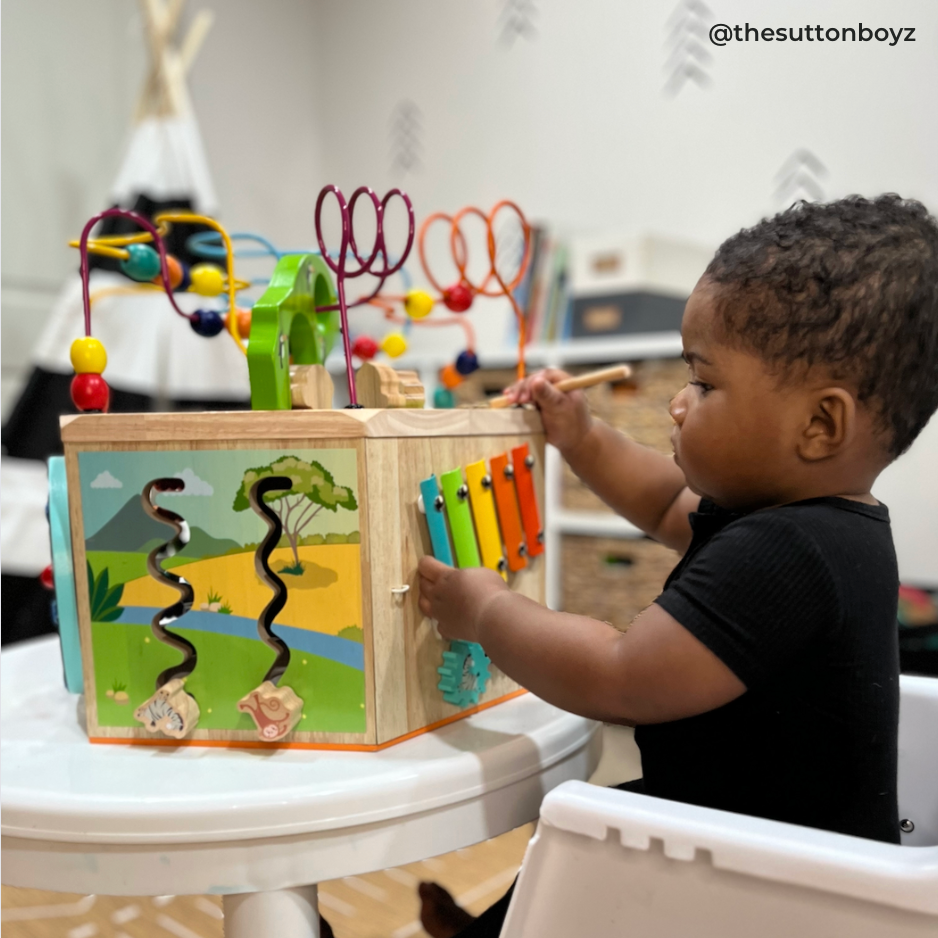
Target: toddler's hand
{"points": [[456, 598], [566, 416]]}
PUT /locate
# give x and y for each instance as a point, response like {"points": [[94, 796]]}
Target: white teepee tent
{"points": [[155, 360], [152, 352]]}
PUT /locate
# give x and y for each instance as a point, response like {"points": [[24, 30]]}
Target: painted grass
{"points": [[228, 668], [123, 567]]}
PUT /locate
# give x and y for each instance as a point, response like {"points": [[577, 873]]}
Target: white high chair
{"points": [[607, 864]]}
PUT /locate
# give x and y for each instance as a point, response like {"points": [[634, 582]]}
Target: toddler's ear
{"points": [[831, 424]]}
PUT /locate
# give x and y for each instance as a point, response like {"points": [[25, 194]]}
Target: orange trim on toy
{"points": [[337, 747]]}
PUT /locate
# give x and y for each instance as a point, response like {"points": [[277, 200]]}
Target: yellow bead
{"points": [[394, 345], [206, 280], [88, 356], [418, 304]]}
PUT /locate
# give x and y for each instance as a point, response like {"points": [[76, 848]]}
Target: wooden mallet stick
{"points": [[616, 373]]}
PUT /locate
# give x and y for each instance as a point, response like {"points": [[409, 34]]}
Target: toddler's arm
{"points": [[655, 672], [643, 486]]}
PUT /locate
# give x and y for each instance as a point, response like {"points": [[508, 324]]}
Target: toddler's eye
{"points": [[704, 388]]}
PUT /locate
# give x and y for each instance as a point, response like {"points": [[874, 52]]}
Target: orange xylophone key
{"points": [[509, 520], [527, 499]]}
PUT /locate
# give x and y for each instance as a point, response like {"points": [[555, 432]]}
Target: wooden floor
{"points": [[376, 905]]}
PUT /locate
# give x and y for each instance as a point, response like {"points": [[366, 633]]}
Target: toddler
{"points": [[764, 678]]}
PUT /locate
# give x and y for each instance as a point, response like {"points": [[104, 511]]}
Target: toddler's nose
{"points": [[678, 407]]}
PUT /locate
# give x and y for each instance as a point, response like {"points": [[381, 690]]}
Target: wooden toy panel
{"points": [[330, 666], [408, 650]]}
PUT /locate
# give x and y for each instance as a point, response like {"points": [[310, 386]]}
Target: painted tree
{"points": [[314, 489]]}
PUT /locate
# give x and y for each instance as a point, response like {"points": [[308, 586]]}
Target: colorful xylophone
{"points": [[494, 522]]}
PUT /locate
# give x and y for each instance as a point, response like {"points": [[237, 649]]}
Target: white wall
{"points": [[574, 122]]}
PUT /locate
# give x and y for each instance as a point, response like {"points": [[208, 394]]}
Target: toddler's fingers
{"points": [[430, 568], [545, 394], [521, 392], [424, 605]]}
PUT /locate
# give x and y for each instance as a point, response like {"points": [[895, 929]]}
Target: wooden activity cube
{"points": [[363, 660]]}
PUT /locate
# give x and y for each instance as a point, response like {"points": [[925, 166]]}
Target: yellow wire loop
{"points": [[192, 219], [111, 245]]}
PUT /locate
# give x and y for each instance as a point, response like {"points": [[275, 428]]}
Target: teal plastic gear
{"points": [[464, 673]]}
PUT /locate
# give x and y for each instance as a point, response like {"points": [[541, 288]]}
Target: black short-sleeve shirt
{"points": [[799, 602]]}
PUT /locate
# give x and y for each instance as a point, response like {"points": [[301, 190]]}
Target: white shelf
{"points": [[572, 352], [594, 524]]}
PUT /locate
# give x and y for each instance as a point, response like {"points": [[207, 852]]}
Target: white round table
{"points": [[257, 828]]}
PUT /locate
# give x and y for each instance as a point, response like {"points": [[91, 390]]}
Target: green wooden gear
{"points": [[285, 328], [464, 673]]}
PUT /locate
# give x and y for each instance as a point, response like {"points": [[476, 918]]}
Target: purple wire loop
{"points": [[339, 264], [157, 241]]}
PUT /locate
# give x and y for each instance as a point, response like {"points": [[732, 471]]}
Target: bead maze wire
{"points": [[347, 262], [348, 249], [460, 254], [189, 218]]}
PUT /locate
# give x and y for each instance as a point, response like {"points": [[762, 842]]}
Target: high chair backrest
{"points": [[607, 863]]}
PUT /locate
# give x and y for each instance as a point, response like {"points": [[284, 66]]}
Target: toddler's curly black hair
{"points": [[850, 285]]}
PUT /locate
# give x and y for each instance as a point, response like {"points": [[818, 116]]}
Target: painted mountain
{"points": [[132, 530]]}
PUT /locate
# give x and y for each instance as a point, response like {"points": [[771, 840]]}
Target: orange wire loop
{"points": [[460, 254]]}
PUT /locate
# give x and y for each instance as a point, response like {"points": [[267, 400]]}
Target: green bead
{"points": [[142, 262], [443, 399]]}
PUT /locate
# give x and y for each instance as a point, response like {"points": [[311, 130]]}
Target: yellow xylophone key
{"points": [[483, 511]]}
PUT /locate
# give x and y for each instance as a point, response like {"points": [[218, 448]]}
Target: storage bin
{"points": [[612, 579], [638, 407]]}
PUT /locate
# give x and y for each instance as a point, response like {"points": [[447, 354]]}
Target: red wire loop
{"points": [[347, 245]]}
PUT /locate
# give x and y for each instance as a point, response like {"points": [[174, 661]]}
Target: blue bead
{"points": [[206, 322], [466, 363], [186, 279], [142, 263]]}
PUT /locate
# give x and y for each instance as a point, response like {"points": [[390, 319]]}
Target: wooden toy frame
{"points": [[395, 450]]}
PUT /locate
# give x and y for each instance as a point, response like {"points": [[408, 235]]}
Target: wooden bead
{"points": [[90, 392], [443, 399], [365, 348], [176, 272], [206, 322], [206, 280], [458, 298], [467, 362], [450, 377], [394, 345], [88, 356], [142, 262], [243, 323], [418, 304]]}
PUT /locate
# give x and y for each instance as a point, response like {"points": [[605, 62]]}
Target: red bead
{"points": [[46, 578], [458, 298], [365, 348], [90, 392]]}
